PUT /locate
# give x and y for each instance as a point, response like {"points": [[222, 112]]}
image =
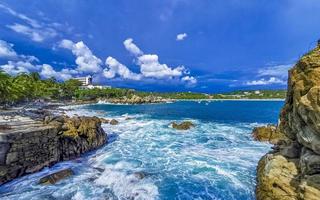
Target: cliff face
{"points": [[27, 146], [292, 171]]}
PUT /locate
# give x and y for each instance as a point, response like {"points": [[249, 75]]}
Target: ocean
{"points": [[146, 158]]}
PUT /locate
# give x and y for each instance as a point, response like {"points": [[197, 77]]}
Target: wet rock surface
{"points": [[39, 140], [182, 126], [56, 177], [268, 133], [292, 170]]}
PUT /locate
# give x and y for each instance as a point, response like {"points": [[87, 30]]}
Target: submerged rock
{"points": [[56, 177], [182, 126], [140, 175]]}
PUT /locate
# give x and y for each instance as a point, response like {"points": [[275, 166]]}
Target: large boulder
{"points": [[276, 178]]}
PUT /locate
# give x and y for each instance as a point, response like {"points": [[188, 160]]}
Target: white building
{"points": [[87, 83]]}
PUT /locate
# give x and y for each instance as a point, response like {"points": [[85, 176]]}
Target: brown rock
{"points": [[56, 177], [268, 133], [114, 122], [277, 178], [182, 126]]}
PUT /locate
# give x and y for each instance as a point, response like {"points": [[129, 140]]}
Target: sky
{"points": [[159, 45]]}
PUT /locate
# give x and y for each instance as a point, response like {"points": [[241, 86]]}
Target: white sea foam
{"points": [[210, 161]]}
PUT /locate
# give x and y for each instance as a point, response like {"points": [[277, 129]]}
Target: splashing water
{"points": [[147, 159]]}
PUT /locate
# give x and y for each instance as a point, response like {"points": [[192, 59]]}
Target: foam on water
{"points": [[214, 160]]}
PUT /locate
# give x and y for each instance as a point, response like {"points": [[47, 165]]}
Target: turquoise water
{"points": [[215, 160]]}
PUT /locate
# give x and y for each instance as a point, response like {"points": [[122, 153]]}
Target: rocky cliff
{"points": [[292, 170], [28, 145]]}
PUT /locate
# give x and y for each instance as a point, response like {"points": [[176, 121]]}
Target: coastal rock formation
{"points": [[182, 126], [268, 133], [292, 170], [30, 145]]}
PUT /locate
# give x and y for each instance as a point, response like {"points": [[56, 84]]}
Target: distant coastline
{"points": [[229, 99]]}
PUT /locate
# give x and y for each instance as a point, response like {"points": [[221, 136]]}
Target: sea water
{"points": [[146, 158]]}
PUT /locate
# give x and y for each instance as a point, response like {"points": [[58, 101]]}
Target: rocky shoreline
{"points": [[292, 170], [33, 139]]}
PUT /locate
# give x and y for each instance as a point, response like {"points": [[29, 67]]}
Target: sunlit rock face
{"points": [[292, 170]]}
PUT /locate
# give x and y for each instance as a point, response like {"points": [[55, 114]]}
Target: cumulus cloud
{"points": [[181, 36], [263, 81], [47, 71], [27, 64], [150, 66], [114, 67], [132, 48], [86, 61], [6, 50]]}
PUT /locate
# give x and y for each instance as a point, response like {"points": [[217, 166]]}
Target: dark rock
{"points": [[56, 177]]}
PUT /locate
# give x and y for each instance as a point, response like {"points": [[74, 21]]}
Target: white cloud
{"points": [[115, 67], [190, 80], [270, 81], [36, 35], [35, 30], [6, 50], [276, 71], [47, 71], [86, 61], [132, 48], [181, 36], [150, 66], [25, 64]]}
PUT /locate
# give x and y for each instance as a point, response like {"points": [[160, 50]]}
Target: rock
{"points": [[290, 149], [268, 133], [309, 162], [31, 145], [292, 171], [56, 177], [310, 187], [139, 175], [277, 178], [4, 127], [114, 122], [104, 121], [182, 126]]}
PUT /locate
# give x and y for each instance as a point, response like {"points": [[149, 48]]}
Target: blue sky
{"points": [[159, 45]]}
